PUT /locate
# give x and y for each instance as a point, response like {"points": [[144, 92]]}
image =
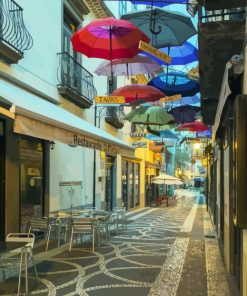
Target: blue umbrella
{"points": [[193, 100], [160, 3], [175, 83], [165, 134], [181, 55]]}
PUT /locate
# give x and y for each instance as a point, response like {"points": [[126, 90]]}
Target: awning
{"points": [[224, 93], [39, 118]]}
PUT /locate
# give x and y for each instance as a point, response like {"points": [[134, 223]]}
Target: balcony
{"points": [[14, 37], [115, 117], [75, 82]]}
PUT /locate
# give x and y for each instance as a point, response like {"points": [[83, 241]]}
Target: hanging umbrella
{"points": [[139, 64], [183, 114], [136, 93], [109, 39], [185, 101], [181, 55], [149, 115], [196, 126], [163, 27], [175, 83], [160, 3], [164, 134]]}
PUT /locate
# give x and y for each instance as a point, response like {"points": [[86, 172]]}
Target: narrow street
{"points": [[164, 251]]}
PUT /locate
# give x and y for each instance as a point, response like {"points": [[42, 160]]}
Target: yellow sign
{"points": [[155, 52], [171, 98], [109, 100]]}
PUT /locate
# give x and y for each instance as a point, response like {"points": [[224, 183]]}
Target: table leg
{"points": [[26, 272]]}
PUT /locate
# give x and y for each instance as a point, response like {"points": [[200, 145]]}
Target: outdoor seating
{"points": [[84, 226], [19, 257], [121, 216], [44, 225]]}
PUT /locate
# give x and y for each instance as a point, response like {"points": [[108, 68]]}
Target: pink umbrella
{"points": [[139, 64], [195, 126]]}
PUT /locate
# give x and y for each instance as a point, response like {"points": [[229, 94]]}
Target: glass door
{"points": [[2, 180], [31, 179]]}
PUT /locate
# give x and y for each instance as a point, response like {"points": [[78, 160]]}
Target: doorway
{"points": [[2, 180], [109, 183]]}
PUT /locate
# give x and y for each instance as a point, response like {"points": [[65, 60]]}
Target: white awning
{"points": [[224, 93], [39, 118]]}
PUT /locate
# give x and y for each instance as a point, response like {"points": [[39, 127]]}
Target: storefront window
{"points": [[125, 184], [31, 179], [131, 185], [137, 185]]}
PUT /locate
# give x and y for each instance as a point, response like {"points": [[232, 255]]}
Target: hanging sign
{"points": [[109, 100], [171, 98], [155, 52]]}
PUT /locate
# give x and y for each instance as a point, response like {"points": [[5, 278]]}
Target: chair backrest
{"points": [[39, 224], [82, 225], [27, 238]]}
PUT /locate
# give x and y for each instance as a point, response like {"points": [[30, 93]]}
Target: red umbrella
{"points": [[109, 39], [194, 126], [138, 92]]}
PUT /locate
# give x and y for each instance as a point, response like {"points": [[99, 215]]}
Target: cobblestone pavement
{"points": [[163, 252]]}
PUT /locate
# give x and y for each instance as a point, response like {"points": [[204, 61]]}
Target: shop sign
{"points": [[94, 144], [109, 100], [138, 135], [155, 52], [171, 98], [157, 156], [139, 144]]}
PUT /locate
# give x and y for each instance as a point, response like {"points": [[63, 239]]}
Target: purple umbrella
{"points": [[139, 64], [184, 114], [181, 55]]}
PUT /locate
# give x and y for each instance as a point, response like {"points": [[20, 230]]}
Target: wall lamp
{"points": [[52, 145]]}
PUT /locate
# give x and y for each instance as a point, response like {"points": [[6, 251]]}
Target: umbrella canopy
{"points": [[163, 27], [149, 115], [181, 55], [183, 114], [109, 39], [164, 134], [194, 126], [167, 182], [163, 176], [139, 64], [138, 93], [175, 83], [160, 3], [185, 101]]}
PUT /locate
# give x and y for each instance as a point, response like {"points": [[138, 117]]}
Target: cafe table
{"points": [[10, 249]]}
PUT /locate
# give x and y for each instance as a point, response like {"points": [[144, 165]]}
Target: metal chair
{"points": [[14, 259], [121, 216], [42, 225], [84, 226]]}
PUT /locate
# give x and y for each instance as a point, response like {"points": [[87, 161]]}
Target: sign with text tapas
{"points": [[109, 100], [171, 98], [155, 52]]}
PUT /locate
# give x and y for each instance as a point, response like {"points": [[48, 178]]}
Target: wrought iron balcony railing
{"points": [[75, 82], [224, 15], [115, 116], [13, 32]]}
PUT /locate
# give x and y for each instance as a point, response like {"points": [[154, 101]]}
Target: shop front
{"points": [[130, 183], [27, 174]]}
